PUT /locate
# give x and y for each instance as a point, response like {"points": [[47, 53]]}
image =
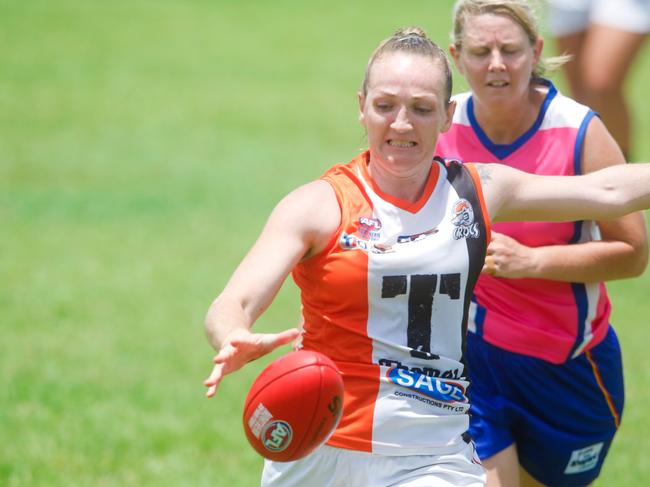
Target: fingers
{"points": [[265, 342], [225, 353], [286, 336], [489, 267], [212, 382], [242, 349]]}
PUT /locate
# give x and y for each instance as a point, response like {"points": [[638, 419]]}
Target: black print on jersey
{"points": [[392, 286], [420, 302]]}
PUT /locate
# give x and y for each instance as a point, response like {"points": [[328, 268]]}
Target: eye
{"points": [[423, 110], [510, 50], [383, 106], [478, 52]]}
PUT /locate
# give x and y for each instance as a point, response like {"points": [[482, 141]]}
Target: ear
{"points": [[537, 50], [451, 108], [455, 55], [362, 104]]}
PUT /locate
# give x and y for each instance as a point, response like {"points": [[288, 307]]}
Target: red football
{"points": [[293, 406]]}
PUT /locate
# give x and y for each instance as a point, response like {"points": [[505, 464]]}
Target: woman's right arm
{"points": [[300, 226]]}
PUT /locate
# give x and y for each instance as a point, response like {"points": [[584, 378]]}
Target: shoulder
{"points": [[311, 211], [460, 113], [600, 149], [461, 97], [310, 197], [565, 112]]}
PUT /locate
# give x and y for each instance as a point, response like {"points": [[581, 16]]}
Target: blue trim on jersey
{"points": [[479, 318], [577, 232], [501, 151], [580, 140], [582, 303], [579, 289]]}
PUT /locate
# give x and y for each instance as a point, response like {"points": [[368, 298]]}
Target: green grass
{"points": [[142, 145]]}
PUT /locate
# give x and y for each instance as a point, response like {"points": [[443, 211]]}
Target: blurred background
{"points": [[142, 145]]}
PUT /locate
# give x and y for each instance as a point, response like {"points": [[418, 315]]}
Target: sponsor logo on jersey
{"points": [[352, 242], [277, 436], [417, 236], [367, 244], [428, 371], [462, 216], [584, 459], [437, 389]]}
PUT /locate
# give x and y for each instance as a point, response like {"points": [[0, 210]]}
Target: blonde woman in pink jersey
{"points": [[544, 361], [386, 250]]}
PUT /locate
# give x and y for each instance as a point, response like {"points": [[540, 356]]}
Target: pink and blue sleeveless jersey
{"points": [[551, 320]]}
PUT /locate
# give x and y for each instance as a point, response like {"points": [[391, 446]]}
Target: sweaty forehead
{"points": [[396, 71]]}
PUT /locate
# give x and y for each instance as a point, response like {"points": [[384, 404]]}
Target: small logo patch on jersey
{"points": [[462, 216], [369, 228], [584, 459]]}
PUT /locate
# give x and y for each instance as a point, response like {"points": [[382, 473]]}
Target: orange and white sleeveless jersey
{"points": [[387, 300]]}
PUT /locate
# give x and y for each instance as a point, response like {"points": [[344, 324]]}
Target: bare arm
{"points": [[513, 195], [300, 226], [622, 252]]}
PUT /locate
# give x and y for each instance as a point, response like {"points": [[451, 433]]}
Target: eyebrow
{"points": [[415, 97]]}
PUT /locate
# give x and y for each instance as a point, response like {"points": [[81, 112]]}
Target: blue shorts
{"points": [[561, 417]]}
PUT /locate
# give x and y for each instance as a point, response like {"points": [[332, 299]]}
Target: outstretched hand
{"points": [[241, 348], [508, 258]]}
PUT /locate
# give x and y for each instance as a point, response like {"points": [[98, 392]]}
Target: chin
{"points": [[405, 159]]}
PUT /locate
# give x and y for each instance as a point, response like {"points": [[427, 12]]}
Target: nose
{"points": [[401, 121], [496, 61]]}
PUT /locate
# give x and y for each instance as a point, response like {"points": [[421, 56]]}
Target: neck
{"points": [[406, 185], [504, 123]]}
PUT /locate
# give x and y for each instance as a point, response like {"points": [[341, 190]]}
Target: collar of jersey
{"points": [[501, 151], [414, 207]]}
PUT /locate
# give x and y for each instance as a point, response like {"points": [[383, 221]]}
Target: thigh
{"points": [[572, 44], [503, 468], [606, 55]]}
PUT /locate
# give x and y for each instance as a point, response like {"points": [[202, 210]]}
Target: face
{"points": [[404, 109], [496, 57]]}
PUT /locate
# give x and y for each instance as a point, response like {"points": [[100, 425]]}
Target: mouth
{"points": [[497, 84], [402, 144]]}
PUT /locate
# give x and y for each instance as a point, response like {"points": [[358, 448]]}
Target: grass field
{"points": [[142, 145]]}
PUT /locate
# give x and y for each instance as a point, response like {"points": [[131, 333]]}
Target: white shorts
{"points": [[336, 467], [570, 16]]}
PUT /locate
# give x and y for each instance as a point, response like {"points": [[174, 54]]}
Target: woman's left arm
{"points": [[622, 251]]}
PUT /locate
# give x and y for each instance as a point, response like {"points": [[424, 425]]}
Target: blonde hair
{"points": [[415, 41], [522, 12]]}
